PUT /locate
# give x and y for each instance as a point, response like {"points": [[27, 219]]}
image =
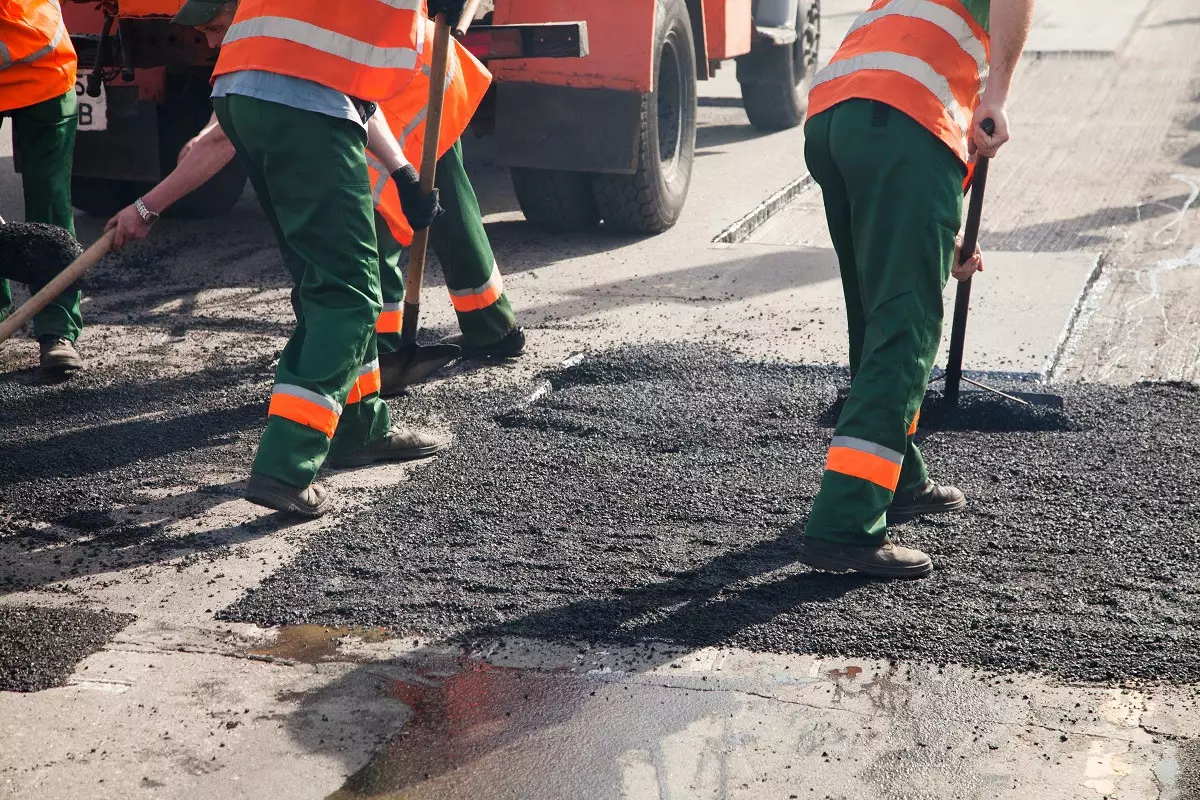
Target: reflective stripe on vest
{"points": [[865, 460], [325, 40], [934, 43], [305, 407], [60, 33], [369, 382], [369, 51], [468, 83], [467, 300], [390, 318]]}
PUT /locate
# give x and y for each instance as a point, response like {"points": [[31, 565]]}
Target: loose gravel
{"points": [[658, 494], [39, 647]]}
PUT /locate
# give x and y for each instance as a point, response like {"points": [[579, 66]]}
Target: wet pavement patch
{"points": [[39, 647], [657, 494]]}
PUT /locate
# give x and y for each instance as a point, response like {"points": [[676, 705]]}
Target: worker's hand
{"points": [[963, 272], [453, 9], [130, 227], [979, 141], [419, 208]]}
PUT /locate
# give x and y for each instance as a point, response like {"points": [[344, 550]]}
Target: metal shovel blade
{"points": [[415, 364]]}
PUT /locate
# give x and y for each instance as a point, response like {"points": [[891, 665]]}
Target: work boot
{"points": [[59, 356], [398, 444], [512, 345], [887, 560], [272, 493], [928, 498]]}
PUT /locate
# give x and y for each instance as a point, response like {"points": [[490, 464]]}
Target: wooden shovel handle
{"points": [[88, 259], [429, 157]]}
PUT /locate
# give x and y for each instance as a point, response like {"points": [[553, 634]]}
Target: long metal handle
{"points": [[429, 156], [962, 298], [88, 259]]}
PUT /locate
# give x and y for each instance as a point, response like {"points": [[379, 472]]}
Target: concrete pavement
{"points": [[182, 705]]}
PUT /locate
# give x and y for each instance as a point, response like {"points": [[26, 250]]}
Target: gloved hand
{"points": [[453, 9], [420, 209]]}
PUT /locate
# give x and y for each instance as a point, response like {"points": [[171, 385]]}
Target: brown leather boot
{"points": [[273, 493], [399, 444], [928, 498], [887, 560], [59, 356]]}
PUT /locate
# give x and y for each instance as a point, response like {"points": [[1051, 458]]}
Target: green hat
{"points": [[198, 12]]}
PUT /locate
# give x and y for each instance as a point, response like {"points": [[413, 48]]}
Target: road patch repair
{"points": [[693, 472], [40, 647]]}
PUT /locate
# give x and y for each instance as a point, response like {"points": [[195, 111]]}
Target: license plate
{"points": [[93, 111]]}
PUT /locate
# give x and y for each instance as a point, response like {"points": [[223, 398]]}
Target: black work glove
{"points": [[420, 209], [453, 9]]}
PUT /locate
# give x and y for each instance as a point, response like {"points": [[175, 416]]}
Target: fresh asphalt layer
{"points": [[39, 647], [657, 494]]}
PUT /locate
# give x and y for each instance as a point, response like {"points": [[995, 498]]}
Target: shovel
{"points": [[419, 361], [962, 303], [60, 283]]}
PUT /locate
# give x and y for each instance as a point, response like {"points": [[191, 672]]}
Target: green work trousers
{"points": [[893, 200], [310, 174], [461, 244], [44, 135]]}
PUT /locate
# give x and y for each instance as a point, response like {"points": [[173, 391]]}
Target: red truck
{"points": [[593, 107]]}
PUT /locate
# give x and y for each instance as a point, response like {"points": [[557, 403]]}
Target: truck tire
{"points": [[651, 199], [775, 78], [186, 109], [102, 197], [184, 112], [555, 199]]}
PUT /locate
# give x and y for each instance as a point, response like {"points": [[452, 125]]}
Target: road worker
{"points": [[485, 316], [295, 89], [894, 122], [37, 90]]}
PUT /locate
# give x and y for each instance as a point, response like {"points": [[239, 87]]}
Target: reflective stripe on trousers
{"points": [[390, 318], [868, 461], [305, 407], [369, 382], [466, 300]]}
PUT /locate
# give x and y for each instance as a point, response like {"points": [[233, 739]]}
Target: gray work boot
{"points": [[272, 493], [887, 560], [59, 356], [399, 444], [928, 498]]}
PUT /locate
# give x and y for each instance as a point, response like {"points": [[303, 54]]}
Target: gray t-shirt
{"points": [[288, 91]]}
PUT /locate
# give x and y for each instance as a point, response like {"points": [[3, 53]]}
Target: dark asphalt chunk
{"points": [[39, 647], [656, 495], [33, 252]]}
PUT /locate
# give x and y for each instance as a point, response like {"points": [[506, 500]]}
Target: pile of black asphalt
{"points": [[33, 252], [657, 494], [39, 647]]}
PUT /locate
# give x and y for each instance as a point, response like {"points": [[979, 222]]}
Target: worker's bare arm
{"points": [[1009, 25], [206, 155], [383, 143]]}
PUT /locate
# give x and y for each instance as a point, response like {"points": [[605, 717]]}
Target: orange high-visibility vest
{"points": [[926, 58], [368, 49], [37, 60], [467, 84]]}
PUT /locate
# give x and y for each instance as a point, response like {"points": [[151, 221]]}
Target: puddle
{"points": [[498, 732], [312, 644]]}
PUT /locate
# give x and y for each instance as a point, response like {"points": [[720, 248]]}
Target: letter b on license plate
{"points": [[93, 111]]}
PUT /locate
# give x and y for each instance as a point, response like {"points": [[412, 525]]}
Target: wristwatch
{"points": [[148, 216]]}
